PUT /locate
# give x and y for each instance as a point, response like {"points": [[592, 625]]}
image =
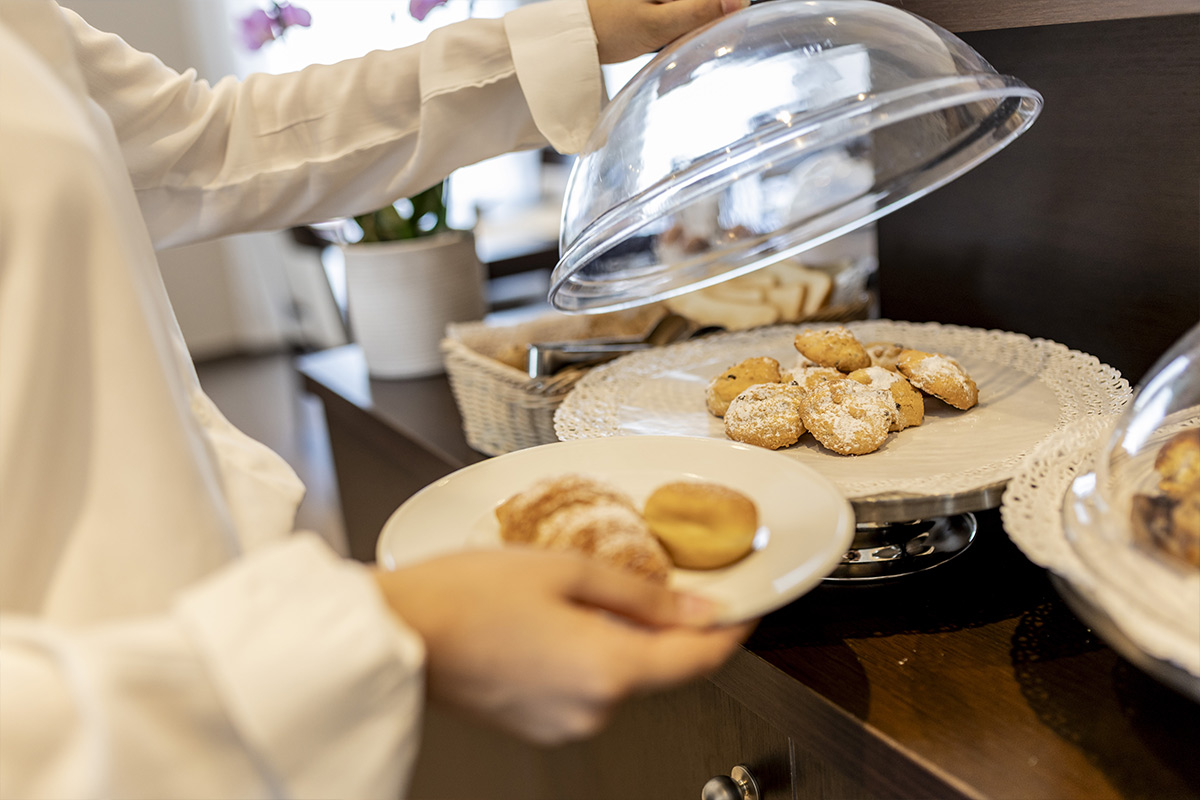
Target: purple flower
{"points": [[257, 29], [419, 8], [290, 15]]}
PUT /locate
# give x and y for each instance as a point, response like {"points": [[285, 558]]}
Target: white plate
{"points": [[1028, 389], [807, 525]]}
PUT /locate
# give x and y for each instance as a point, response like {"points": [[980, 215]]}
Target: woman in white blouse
{"points": [[164, 632]]}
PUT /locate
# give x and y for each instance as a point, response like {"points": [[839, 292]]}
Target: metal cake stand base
{"points": [[887, 550]]}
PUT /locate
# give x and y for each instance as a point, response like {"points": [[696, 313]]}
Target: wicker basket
{"points": [[501, 407]]}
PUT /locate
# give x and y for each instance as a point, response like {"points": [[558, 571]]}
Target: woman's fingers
{"points": [[644, 602], [626, 29], [678, 641], [546, 644]]}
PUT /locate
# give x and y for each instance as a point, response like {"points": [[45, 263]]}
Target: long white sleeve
{"points": [[251, 686], [163, 633], [329, 141]]}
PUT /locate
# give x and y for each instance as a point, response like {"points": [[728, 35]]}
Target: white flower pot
{"points": [[401, 295]]}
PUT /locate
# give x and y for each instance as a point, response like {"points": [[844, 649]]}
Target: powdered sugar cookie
{"points": [[766, 415], [848, 417], [940, 376], [833, 347], [808, 377], [884, 354], [908, 400], [733, 381]]}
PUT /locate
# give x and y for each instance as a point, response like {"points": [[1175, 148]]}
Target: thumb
{"points": [[622, 593]]}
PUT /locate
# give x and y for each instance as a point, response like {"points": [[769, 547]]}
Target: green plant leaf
{"points": [[388, 224]]}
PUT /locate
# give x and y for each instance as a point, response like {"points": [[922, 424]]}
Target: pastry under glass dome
{"points": [[1134, 518], [769, 132]]}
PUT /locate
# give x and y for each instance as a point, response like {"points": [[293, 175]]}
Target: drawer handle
{"points": [[739, 784]]}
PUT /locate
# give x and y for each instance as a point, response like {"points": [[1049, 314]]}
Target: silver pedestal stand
{"points": [[897, 535]]}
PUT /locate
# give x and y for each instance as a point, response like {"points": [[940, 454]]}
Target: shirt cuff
{"points": [[554, 51], [319, 677]]}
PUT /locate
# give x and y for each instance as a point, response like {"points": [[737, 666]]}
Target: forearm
{"points": [[273, 151]]}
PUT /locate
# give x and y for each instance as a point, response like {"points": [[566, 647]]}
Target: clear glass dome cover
{"points": [[1152, 456], [766, 133], [1134, 519]]}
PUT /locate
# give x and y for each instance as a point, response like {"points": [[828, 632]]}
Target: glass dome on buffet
{"points": [[767, 133], [1134, 518]]}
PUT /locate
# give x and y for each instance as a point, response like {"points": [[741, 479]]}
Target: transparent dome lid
{"points": [[1146, 486], [1134, 518], [766, 133]]}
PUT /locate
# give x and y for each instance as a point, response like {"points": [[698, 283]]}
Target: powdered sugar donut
{"points": [[940, 376]]}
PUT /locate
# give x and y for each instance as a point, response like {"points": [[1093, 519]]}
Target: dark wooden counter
{"points": [[972, 680]]}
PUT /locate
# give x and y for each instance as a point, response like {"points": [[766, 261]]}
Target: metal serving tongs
{"points": [[546, 361]]}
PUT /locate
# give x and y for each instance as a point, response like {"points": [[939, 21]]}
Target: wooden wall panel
{"points": [[1086, 230]]}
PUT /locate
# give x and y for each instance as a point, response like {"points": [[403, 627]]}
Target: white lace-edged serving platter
{"points": [[1028, 389], [1147, 609]]}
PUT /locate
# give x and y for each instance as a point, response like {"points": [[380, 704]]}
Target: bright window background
{"points": [[349, 28]]}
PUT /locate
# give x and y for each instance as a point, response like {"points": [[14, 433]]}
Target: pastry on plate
{"points": [[585, 515], [702, 525]]}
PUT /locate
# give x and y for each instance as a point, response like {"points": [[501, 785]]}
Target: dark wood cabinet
{"points": [[665, 745]]}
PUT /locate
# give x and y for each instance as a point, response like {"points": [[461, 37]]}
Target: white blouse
{"points": [[163, 633]]}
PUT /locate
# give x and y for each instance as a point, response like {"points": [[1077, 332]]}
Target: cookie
{"points": [[766, 415], [848, 417], [884, 354], [733, 381], [808, 377], [833, 347], [940, 376], [909, 401]]}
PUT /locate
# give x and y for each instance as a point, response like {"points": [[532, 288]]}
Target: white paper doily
{"points": [[1028, 389], [1033, 512]]}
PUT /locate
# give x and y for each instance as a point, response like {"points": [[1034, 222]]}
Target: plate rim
{"points": [[841, 533]]}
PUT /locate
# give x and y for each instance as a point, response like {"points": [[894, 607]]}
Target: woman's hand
{"points": [[629, 28], [545, 644]]}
